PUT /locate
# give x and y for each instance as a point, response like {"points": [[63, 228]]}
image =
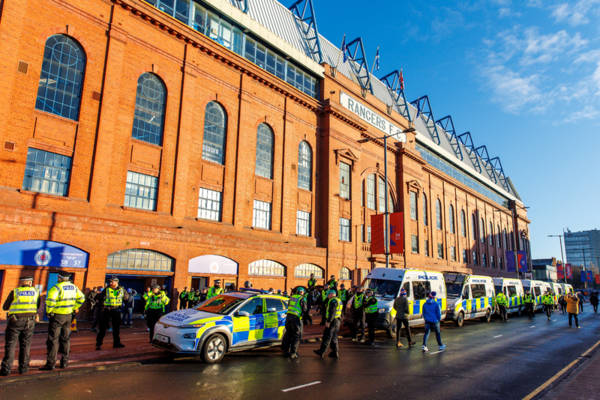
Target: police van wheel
{"points": [[214, 349], [488, 316], [460, 320]]}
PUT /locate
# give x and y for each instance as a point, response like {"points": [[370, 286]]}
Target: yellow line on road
{"points": [[560, 373]]}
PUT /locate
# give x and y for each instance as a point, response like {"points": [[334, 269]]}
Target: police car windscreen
{"points": [[453, 289], [222, 304], [384, 287]]}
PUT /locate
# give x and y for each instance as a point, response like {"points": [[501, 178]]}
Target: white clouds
{"points": [[576, 13], [539, 48], [514, 90]]}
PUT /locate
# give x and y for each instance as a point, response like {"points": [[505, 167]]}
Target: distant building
{"points": [[583, 248], [544, 269]]}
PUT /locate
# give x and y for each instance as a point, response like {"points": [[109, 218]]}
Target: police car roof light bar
{"points": [[393, 83], [467, 141], [424, 108], [355, 51], [447, 125], [306, 21]]}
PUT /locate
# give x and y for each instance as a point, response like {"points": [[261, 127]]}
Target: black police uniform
{"points": [[19, 329], [330, 334], [112, 315], [371, 318], [358, 318]]}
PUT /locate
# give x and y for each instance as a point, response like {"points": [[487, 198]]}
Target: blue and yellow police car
{"points": [[226, 323]]}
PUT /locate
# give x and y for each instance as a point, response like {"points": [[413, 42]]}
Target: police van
{"points": [[387, 282], [513, 290], [469, 297], [568, 288], [536, 289], [558, 291]]}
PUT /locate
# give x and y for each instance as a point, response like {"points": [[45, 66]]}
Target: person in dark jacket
{"points": [[370, 307], [358, 315], [333, 318], [432, 314], [594, 301], [402, 311]]}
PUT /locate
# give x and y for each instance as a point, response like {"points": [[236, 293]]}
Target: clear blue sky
{"points": [[523, 76]]}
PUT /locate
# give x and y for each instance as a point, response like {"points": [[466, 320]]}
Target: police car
{"points": [[226, 323]]}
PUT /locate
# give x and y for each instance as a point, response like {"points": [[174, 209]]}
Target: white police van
{"points": [[387, 282], [536, 289], [513, 290], [469, 297]]}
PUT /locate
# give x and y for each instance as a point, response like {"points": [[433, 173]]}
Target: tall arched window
{"points": [[505, 241], [438, 214], [482, 230], [304, 271], [140, 259], [266, 268], [264, 151], [149, 112], [215, 128], [345, 274], [304, 166], [371, 191], [451, 218], [463, 223], [425, 213], [498, 236], [474, 227], [491, 234], [61, 79]]}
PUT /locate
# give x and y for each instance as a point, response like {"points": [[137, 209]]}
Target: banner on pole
{"points": [[521, 260], [377, 234], [397, 233], [560, 271], [568, 271]]}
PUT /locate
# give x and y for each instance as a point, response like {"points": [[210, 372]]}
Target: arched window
{"points": [[498, 236], [451, 218], [491, 234], [264, 151], [474, 227], [304, 271], [215, 128], [438, 214], [482, 231], [140, 260], [149, 112], [463, 223], [61, 79], [425, 213], [266, 268], [371, 192], [505, 239], [345, 274], [304, 166]]}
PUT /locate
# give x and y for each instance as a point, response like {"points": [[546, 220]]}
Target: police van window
{"points": [[406, 287], [421, 289], [478, 290], [253, 307], [384, 287], [465, 293], [512, 291], [274, 304], [537, 291]]}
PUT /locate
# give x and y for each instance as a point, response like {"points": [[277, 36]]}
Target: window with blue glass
{"points": [[140, 191], [438, 214], [231, 37], [264, 151], [149, 109], [304, 166], [213, 144], [47, 172], [61, 79]]}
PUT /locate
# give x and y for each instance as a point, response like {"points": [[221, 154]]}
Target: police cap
{"points": [[156, 286], [300, 289], [331, 291], [114, 279], [64, 275], [26, 279]]}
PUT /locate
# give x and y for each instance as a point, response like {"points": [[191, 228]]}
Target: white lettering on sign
{"points": [[372, 118]]}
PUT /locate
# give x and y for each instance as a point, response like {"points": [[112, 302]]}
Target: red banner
{"points": [[377, 235], [397, 233], [597, 279], [560, 272], [568, 271]]}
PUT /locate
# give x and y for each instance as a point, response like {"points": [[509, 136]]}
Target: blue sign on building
{"points": [[42, 253]]}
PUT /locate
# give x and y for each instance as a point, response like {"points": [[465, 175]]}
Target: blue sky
{"points": [[522, 76]]}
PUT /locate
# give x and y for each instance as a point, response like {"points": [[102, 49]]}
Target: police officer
{"points": [[311, 282], [332, 283], [62, 302], [358, 315], [293, 324], [215, 290], [333, 318], [111, 299], [502, 303], [22, 305], [183, 299], [528, 301], [155, 308], [548, 303], [343, 295], [370, 306]]}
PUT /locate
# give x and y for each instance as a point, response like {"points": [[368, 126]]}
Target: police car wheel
{"points": [[214, 349], [460, 320]]}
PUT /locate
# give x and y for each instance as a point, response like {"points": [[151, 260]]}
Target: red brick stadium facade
{"points": [[121, 40]]}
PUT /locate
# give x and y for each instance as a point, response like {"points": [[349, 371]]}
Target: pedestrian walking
{"points": [[215, 290], [293, 324], [528, 301], [128, 306], [155, 308], [562, 303], [358, 315], [402, 311], [62, 303], [432, 314], [594, 301], [573, 309], [333, 320], [581, 298], [548, 303], [94, 307], [502, 304], [370, 307], [22, 305], [183, 299], [111, 300]]}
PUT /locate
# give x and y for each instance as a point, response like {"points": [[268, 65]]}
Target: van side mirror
{"points": [[272, 309], [241, 314]]}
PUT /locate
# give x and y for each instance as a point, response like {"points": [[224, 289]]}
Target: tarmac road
{"points": [[482, 361]]}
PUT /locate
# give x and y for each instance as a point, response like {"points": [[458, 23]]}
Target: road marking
{"points": [[532, 326], [301, 386], [560, 373], [497, 336]]}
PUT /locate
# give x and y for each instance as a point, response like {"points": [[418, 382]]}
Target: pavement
{"points": [[484, 361]]}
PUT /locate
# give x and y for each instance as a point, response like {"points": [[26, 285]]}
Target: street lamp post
{"points": [[584, 268], [562, 256], [386, 217]]}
